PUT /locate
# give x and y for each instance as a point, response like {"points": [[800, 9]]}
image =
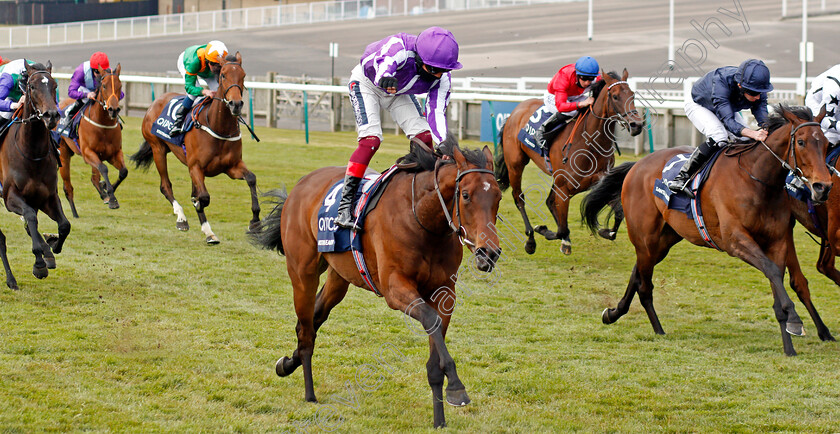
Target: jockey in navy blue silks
{"points": [[713, 108]]}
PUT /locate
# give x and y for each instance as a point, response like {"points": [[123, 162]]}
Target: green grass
{"points": [[144, 328]]}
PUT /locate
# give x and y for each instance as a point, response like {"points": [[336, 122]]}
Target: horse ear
{"points": [[117, 70], [820, 116], [239, 58], [49, 66], [489, 155], [101, 71], [458, 156], [27, 67], [625, 75]]}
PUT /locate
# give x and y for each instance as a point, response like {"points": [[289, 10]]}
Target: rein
{"points": [[225, 101], [457, 229], [38, 115], [603, 117], [797, 173], [104, 104]]}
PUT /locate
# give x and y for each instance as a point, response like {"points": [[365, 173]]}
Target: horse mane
{"points": [[426, 161], [230, 57], [599, 85], [775, 120]]}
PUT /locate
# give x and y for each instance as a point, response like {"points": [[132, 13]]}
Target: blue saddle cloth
{"points": [[680, 201], [526, 134], [334, 239], [71, 131], [166, 120], [802, 192]]}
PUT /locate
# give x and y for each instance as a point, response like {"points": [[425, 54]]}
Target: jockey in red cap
{"points": [[84, 82]]}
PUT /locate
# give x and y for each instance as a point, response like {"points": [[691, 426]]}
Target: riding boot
{"points": [[71, 112], [178, 121], [548, 130], [345, 217], [694, 162]]}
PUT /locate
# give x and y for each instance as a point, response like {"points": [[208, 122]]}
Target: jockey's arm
{"points": [[436, 102], [191, 84], [390, 57], [561, 96], [6, 83], [77, 89]]}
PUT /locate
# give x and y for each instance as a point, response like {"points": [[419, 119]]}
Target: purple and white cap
{"points": [[437, 47]]}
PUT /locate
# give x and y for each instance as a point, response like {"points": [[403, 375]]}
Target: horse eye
{"points": [[465, 195], [615, 97], [222, 75], [800, 142]]}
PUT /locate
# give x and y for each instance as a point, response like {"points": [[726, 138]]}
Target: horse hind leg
{"points": [[515, 176], [800, 285], [200, 202], [11, 282], [64, 171]]}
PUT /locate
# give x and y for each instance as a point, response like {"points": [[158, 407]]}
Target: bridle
{"points": [[795, 170], [226, 102], [37, 114], [104, 103], [224, 94], [455, 228], [622, 116]]}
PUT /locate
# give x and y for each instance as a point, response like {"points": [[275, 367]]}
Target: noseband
{"points": [[795, 170], [622, 116], [224, 94], [38, 115], [456, 228]]}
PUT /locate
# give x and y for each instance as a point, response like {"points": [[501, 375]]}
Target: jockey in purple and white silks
{"points": [[390, 73], [84, 82], [825, 91]]}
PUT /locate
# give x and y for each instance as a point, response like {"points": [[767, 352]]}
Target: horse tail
{"points": [[144, 157], [267, 235], [607, 192], [502, 176]]}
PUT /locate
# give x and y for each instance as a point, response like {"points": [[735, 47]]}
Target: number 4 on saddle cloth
{"points": [[680, 201], [166, 121]]}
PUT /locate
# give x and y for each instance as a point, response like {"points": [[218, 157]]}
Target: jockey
{"points": [[566, 94], [198, 61], [390, 73], [84, 82], [11, 88], [825, 91], [713, 108]]}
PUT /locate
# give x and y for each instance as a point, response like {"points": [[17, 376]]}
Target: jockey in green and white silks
{"points": [[199, 61], [11, 88]]}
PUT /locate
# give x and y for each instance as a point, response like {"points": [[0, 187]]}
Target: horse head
{"points": [[108, 93], [40, 94], [619, 102], [801, 143], [232, 83], [477, 205]]}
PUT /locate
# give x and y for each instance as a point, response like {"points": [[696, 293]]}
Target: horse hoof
{"points": [[279, 369], [40, 272], [182, 226], [566, 248], [457, 398], [605, 317], [254, 228], [50, 263], [12, 284], [607, 234], [212, 240], [795, 329], [530, 247]]}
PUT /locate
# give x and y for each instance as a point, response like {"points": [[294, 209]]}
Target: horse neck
{"points": [[597, 134], [34, 128], [220, 118], [764, 165], [428, 207]]}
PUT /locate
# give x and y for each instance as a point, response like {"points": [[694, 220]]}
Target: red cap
{"points": [[99, 60]]}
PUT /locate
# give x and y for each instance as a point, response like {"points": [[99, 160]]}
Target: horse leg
{"points": [[558, 204], [52, 208], [241, 172], [305, 282], [800, 285], [434, 370], [404, 297], [118, 161], [99, 168], [159, 154], [515, 176], [98, 184], [826, 261], [64, 170], [17, 205], [200, 200], [11, 282]]}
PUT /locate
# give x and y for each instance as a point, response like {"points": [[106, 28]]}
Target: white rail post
{"points": [[115, 30], [181, 24], [65, 33], [148, 27], [48, 35], [27, 36], [132, 34], [82, 33], [99, 30], [311, 17], [405, 7]]}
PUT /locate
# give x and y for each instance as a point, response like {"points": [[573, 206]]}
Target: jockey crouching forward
{"points": [[566, 94], [84, 82], [825, 91], [198, 61], [390, 73], [713, 108]]}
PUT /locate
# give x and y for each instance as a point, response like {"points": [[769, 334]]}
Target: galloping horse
{"points": [[743, 203], [411, 242], [212, 148], [100, 139], [28, 170], [582, 161]]}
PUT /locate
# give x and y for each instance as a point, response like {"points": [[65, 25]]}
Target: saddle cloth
{"points": [[526, 134], [166, 120]]}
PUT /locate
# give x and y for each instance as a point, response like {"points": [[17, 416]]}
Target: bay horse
{"points": [[100, 140], [28, 170], [743, 203], [213, 147], [411, 242], [579, 156]]}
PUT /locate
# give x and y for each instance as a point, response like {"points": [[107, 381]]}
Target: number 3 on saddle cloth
{"points": [[334, 239], [680, 201], [165, 122], [526, 134]]}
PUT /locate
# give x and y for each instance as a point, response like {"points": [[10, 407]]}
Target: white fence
{"points": [[234, 19]]}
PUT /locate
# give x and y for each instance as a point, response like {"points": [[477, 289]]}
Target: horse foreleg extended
{"points": [[64, 171], [800, 285], [52, 208], [11, 282], [159, 154], [99, 168], [242, 172], [17, 205], [558, 204], [200, 200], [118, 161]]}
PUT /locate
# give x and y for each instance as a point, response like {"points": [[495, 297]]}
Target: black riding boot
{"points": [[548, 130], [345, 206], [71, 112], [178, 121], [695, 161]]}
